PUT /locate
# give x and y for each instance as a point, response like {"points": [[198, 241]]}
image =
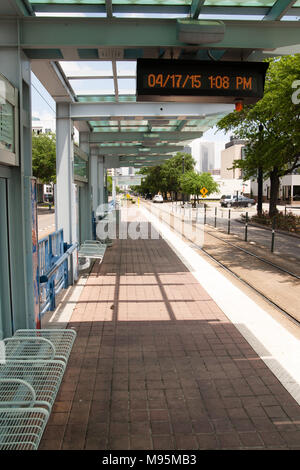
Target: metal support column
{"points": [[101, 177], [93, 178], [85, 215], [66, 217]]}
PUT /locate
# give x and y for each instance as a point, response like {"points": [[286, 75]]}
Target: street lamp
{"points": [[260, 176]]}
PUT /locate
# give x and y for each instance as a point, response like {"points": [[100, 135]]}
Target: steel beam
{"points": [[122, 151], [278, 10], [196, 8], [158, 8], [95, 111], [37, 33], [172, 136]]}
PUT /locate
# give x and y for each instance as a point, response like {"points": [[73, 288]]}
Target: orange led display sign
{"points": [[177, 80]]}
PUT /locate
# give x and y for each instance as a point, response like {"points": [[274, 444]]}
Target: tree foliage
{"points": [[44, 157], [166, 177], [271, 127], [192, 183]]}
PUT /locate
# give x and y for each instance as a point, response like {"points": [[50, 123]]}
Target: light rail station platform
{"points": [[167, 358]]}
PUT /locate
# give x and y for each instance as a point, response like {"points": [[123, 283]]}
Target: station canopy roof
{"points": [[85, 52]]}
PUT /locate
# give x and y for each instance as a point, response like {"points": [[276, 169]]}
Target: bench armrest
{"points": [[37, 348], [14, 392]]}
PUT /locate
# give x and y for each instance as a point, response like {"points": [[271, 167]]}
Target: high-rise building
{"points": [[204, 155]]}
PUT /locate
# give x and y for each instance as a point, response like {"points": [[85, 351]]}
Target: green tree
{"points": [[166, 177], [192, 183], [44, 157], [109, 183], [172, 170], [276, 147]]}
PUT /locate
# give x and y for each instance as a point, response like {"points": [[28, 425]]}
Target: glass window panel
{"points": [[103, 86], [127, 86], [87, 68], [127, 68], [80, 166]]}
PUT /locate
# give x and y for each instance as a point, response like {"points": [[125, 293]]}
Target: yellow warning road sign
{"points": [[203, 191]]}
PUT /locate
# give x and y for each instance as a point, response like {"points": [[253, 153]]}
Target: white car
{"points": [[158, 198]]}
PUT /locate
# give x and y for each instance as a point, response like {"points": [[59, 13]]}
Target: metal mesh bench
{"points": [[16, 393], [23, 349], [29, 381], [62, 341], [94, 251], [22, 428], [18, 380]]}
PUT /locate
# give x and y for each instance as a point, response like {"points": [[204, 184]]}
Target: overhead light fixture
{"points": [[200, 31]]}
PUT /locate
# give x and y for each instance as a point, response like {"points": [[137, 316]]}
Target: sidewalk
{"points": [[158, 365]]}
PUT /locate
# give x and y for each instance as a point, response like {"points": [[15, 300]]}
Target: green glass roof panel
{"points": [[109, 144], [68, 2], [106, 129], [105, 123], [242, 3], [105, 98], [135, 129], [152, 2]]}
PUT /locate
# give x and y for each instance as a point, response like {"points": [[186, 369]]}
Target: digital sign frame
{"points": [[203, 81]]}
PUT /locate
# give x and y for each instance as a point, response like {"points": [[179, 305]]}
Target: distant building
{"points": [[204, 155], [233, 151], [40, 126], [289, 188]]}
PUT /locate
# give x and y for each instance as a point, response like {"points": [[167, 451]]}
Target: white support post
{"points": [[93, 177], [66, 207], [64, 171], [85, 215], [101, 173]]}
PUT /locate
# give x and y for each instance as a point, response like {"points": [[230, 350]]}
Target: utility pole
{"points": [[260, 177], [183, 174]]}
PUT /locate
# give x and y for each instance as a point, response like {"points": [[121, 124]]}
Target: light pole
{"points": [[260, 177]]}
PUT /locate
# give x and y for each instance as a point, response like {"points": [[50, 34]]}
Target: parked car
{"points": [[158, 198], [237, 201], [148, 196]]}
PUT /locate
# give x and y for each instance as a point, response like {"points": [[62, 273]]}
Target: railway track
{"points": [[237, 276]]}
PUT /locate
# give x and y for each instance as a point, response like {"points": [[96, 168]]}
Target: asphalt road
{"points": [[46, 222]]}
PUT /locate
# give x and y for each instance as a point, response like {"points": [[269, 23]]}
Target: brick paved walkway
{"points": [[157, 365]]}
